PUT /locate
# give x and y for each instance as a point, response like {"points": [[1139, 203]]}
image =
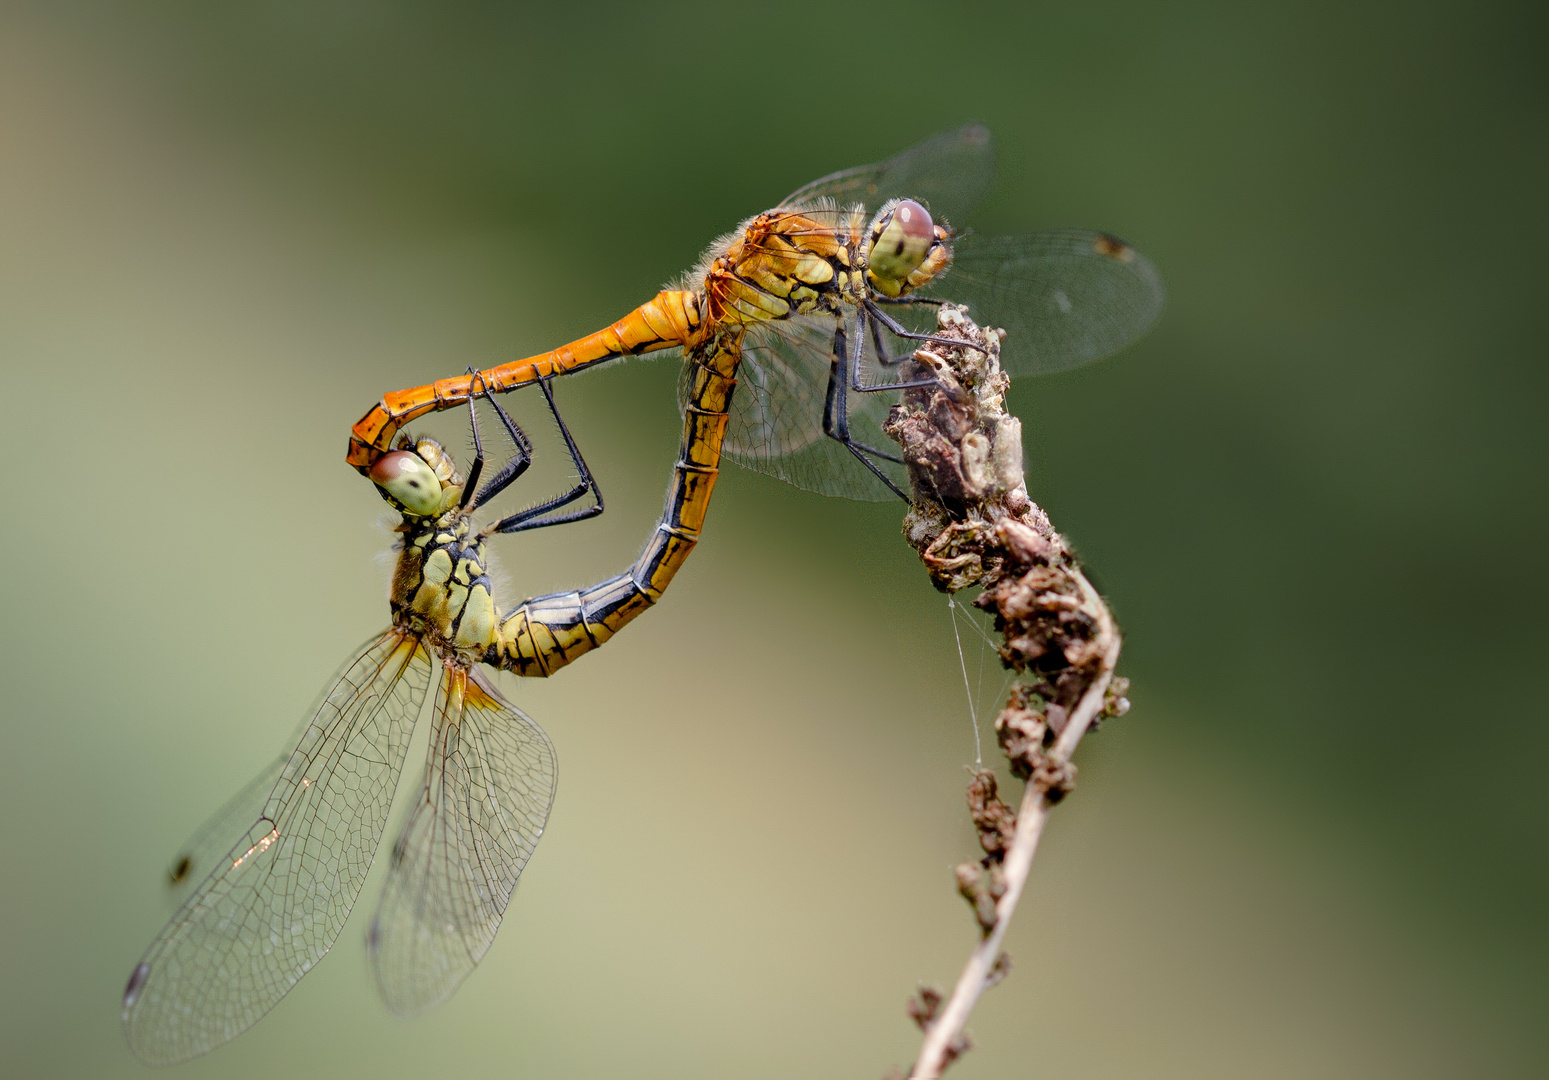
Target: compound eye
{"points": [[411, 482], [902, 241]]}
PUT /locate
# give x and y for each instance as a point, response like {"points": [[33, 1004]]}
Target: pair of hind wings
{"points": [[270, 905]]}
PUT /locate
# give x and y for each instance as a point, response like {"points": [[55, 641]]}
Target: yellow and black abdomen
{"points": [[547, 632], [784, 264]]}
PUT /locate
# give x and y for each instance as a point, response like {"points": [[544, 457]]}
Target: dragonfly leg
{"points": [[533, 517], [877, 326], [836, 416], [897, 329], [476, 469], [880, 348], [933, 301], [861, 321], [512, 469]]}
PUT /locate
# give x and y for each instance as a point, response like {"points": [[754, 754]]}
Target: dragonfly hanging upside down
{"points": [[817, 287], [283, 863]]}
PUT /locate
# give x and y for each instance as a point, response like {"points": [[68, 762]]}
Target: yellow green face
{"points": [[901, 237], [410, 483]]}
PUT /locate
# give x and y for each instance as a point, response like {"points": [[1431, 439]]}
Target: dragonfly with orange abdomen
{"points": [[814, 285], [791, 308]]}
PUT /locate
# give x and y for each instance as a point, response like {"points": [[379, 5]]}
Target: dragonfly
{"points": [[820, 288], [280, 867], [308, 828]]}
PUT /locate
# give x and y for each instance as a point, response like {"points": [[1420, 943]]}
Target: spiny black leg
{"points": [[532, 517], [836, 406], [519, 463], [881, 348], [836, 411], [588, 482], [478, 447], [521, 523], [897, 329], [910, 299], [855, 449], [883, 358], [836, 416], [860, 387]]}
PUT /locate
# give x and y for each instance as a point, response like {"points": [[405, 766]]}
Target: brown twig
{"points": [[973, 524]]}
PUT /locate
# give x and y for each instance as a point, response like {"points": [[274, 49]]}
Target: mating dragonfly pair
{"points": [[792, 329]]}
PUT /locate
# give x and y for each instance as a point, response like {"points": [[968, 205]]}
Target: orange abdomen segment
{"points": [[662, 322]]}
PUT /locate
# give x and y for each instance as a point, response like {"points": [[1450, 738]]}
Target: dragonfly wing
{"points": [[776, 424], [948, 172], [489, 783], [777, 408], [1064, 297], [275, 903], [200, 853]]}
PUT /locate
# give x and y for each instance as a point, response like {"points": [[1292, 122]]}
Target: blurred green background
{"points": [[1315, 847]]}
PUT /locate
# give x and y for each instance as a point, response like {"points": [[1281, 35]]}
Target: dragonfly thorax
{"points": [[441, 587], [787, 263], [782, 264]]}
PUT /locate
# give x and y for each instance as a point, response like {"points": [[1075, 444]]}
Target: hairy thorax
{"points": [[441, 586], [782, 265]]}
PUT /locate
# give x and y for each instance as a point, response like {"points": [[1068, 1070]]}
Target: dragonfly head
{"points": [[418, 478], [902, 235]]}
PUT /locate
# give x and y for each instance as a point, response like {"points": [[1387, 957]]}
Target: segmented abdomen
{"points": [[547, 632], [670, 318]]}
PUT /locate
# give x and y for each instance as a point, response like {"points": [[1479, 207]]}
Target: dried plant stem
{"points": [[946, 1030], [974, 525]]}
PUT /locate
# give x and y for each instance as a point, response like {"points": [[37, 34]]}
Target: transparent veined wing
{"points": [[949, 172], [275, 903], [1064, 297], [197, 856], [488, 786], [776, 424]]}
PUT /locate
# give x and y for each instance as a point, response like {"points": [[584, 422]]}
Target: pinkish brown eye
{"points": [[914, 221], [412, 483], [390, 466], [901, 237]]}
